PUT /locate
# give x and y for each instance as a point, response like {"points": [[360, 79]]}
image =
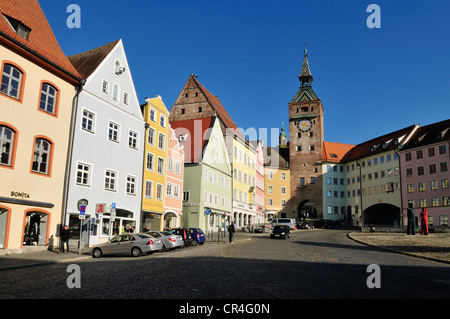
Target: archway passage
{"points": [[382, 214], [306, 210]]}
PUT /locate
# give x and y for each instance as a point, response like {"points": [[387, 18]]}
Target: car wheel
{"points": [[97, 253], [136, 252], [194, 243]]}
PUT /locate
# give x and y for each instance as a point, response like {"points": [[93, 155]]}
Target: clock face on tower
{"points": [[304, 125]]}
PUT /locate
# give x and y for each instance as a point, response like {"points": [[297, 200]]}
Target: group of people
{"points": [[411, 221]]}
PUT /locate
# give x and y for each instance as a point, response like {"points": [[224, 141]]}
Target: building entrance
{"points": [[35, 231]]}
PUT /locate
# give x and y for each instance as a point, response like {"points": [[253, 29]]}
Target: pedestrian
{"points": [[410, 214], [146, 230], [64, 235], [424, 221], [231, 231]]}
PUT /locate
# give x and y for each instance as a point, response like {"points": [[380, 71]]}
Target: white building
{"points": [[107, 151]]}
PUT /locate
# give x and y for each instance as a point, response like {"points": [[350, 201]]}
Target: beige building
{"points": [[37, 91]]}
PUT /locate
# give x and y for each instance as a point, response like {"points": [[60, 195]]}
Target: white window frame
{"points": [[150, 184], [88, 119], [115, 130], [110, 180], [131, 185], [86, 172], [133, 139], [160, 170]]}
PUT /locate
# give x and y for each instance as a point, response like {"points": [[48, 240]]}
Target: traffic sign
{"points": [[113, 206]]}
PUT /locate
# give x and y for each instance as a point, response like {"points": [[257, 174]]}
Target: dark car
{"points": [[280, 231], [328, 223], [198, 236], [185, 234], [306, 224]]}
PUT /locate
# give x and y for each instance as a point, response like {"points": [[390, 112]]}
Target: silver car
{"points": [[169, 240], [128, 244]]}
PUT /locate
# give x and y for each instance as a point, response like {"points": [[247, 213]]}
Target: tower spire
{"points": [[305, 75]]}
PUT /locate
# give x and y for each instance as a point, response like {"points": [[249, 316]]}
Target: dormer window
{"points": [[20, 28]]}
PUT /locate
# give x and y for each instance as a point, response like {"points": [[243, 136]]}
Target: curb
{"points": [[397, 251]]}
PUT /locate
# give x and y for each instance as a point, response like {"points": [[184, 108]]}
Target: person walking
{"points": [[231, 231], [64, 235], [424, 221], [410, 214]]}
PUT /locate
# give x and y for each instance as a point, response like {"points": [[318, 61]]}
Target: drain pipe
{"points": [[79, 88]]}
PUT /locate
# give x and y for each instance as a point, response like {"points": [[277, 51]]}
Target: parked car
{"points": [[284, 221], [280, 231], [306, 224], [128, 244], [185, 234], [198, 236], [169, 240], [328, 223]]}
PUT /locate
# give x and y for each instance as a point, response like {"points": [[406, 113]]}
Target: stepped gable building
{"points": [[306, 137], [38, 85]]}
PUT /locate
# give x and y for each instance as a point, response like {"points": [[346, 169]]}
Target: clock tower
{"points": [[305, 148]]}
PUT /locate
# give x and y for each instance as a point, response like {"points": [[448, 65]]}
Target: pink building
{"points": [[259, 194], [424, 163], [174, 181]]}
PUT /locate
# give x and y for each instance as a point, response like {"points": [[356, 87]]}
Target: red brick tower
{"points": [[305, 148]]}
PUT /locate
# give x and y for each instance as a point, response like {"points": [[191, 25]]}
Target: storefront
{"points": [[151, 219]]}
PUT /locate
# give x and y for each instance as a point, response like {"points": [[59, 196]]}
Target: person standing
{"points": [[64, 235], [424, 221], [231, 231], [410, 214]]}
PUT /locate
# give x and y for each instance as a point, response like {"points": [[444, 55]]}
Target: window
{"points": [[443, 166], [48, 98], [105, 87], [162, 121], [41, 156], [152, 115], [148, 189], [159, 192], [283, 190], [11, 81], [7, 136], [150, 161], [433, 185], [113, 132], [132, 139], [270, 201], [444, 183], [170, 164], [160, 165], [421, 186], [87, 121], [434, 201], [420, 171], [110, 180], [419, 154], [270, 189], [432, 168], [283, 176], [178, 168], [176, 191], [431, 152], [442, 149], [115, 92], [185, 196], [169, 189], [410, 188], [125, 98], [83, 174], [162, 141], [131, 185], [407, 157], [151, 136]]}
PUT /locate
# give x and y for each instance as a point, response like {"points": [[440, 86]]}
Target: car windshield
{"points": [[279, 228]]}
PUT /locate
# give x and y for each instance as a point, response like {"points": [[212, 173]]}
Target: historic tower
{"points": [[305, 148]]}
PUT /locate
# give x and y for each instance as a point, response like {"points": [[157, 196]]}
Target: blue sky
{"points": [[249, 53]]}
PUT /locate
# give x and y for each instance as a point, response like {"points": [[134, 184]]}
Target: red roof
{"points": [[222, 114], [196, 139], [335, 152], [41, 41]]}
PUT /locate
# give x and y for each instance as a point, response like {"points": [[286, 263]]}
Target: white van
{"points": [[284, 221]]}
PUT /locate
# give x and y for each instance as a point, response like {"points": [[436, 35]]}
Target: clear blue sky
{"points": [[249, 53]]}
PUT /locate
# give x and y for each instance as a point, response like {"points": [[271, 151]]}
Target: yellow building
{"points": [[244, 182], [277, 181], [156, 117]]}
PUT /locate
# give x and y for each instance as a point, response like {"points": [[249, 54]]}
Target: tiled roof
{"points": [[335, 152], [430, 134], [195, 140], [276, 157], [222, 114], [41, 41], [380, 144], [87, 62]]}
